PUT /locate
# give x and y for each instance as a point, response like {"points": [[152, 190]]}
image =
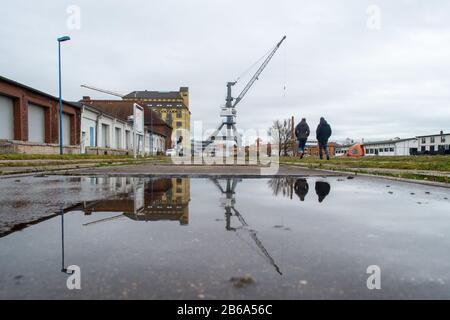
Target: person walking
{"points": [[302, 134], [323, 133]]}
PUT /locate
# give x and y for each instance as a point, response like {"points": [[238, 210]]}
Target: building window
{"points": [[380, 150], [431, 148], [424, 140], [432, 139], [386, 149], [442, 139], [178, 114], [391, 149], [179, 124], [423, 149]]}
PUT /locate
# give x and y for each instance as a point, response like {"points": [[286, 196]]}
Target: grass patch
{"points": [[411, 176], [59, 157], [433, 163]]}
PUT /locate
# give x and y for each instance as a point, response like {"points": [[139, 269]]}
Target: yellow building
{"points": [[173, 106]]}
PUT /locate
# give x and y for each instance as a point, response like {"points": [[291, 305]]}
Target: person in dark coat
{"points": [[301, 188], [302, 134], [323, 133], [322, 189]]}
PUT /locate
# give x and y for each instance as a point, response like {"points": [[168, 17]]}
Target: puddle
{"points": [[180, 238]]}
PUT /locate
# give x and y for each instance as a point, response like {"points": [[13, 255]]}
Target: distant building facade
{"points": [[312, 148], [29, 121], [103, 133], [158, 133], [172, 106], [435, 143], [395, 147]]}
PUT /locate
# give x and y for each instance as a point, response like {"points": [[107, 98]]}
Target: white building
{"points": [[102, 132], [395, 147], [341, 151], [437, 143]]}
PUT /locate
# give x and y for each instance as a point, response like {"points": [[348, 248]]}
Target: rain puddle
{"points": [[232, 238]]}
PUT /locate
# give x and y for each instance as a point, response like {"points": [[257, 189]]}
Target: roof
{"points": [[387, 141], [20, 85], [145, 94], [434, 135], [99, 110]]}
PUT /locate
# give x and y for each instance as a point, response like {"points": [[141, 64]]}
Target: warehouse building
{"points": [[394, 147], [435, 143], [103, 133], [157, 132], [29, 121]]}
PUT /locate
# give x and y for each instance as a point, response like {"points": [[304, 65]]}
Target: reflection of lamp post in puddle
{"points": [[63, 265], [228, 204]]}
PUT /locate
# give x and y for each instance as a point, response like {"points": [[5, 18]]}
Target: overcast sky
{"points": [[369, 82]]}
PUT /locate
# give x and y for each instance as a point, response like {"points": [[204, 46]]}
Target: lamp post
{"points": [[61, 39]]}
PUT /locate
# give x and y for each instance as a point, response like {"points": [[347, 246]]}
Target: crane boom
{"points": [[258, 72], [102, 90]]}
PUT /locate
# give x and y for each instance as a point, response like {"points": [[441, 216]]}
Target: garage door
{"points": [[66, 129], [36, 123], [6, 118]]}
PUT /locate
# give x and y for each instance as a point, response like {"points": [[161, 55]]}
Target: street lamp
{"points": [[61, 39]]}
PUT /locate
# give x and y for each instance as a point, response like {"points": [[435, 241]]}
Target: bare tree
{"points": [[284, 130]]}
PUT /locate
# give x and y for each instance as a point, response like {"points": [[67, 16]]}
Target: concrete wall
{"points": [[25, 147]]}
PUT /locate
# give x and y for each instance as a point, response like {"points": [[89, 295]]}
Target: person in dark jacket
{"points": [[322, 189], [302, 134], [301, 188], [323, 133]]}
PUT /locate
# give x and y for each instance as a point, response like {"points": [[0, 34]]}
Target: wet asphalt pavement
{"points": [[229, 238]]}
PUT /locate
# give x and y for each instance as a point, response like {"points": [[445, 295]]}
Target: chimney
{"points": [[86, 98], [442, 133]]}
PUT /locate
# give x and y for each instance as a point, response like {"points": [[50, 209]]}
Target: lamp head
{"points": [[62, 39]]}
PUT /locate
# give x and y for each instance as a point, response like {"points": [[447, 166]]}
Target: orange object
{"points": [[355, 151]]}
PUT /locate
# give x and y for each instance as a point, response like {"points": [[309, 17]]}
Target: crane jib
{"points": [[258, 73]]}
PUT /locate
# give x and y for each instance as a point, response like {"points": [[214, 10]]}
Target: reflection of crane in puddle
{"points": [[228, 203]]}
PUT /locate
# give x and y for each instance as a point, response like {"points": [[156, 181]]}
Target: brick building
{"points": [[29, 121]]}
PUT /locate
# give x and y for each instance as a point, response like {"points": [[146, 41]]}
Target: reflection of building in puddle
{"points": [[145, 199]]}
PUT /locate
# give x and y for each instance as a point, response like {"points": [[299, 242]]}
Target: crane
{"points": [[228, 112], [102, 90]]}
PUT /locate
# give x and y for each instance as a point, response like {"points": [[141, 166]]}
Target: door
{"points": [[66, 123], [91, 137], [36, 123], [83, 142], [6, 118], [118, 135], [105, 135]]}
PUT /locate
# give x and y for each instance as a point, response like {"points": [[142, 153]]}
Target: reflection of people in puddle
{"points": [[301, 188], [322, 189]]}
